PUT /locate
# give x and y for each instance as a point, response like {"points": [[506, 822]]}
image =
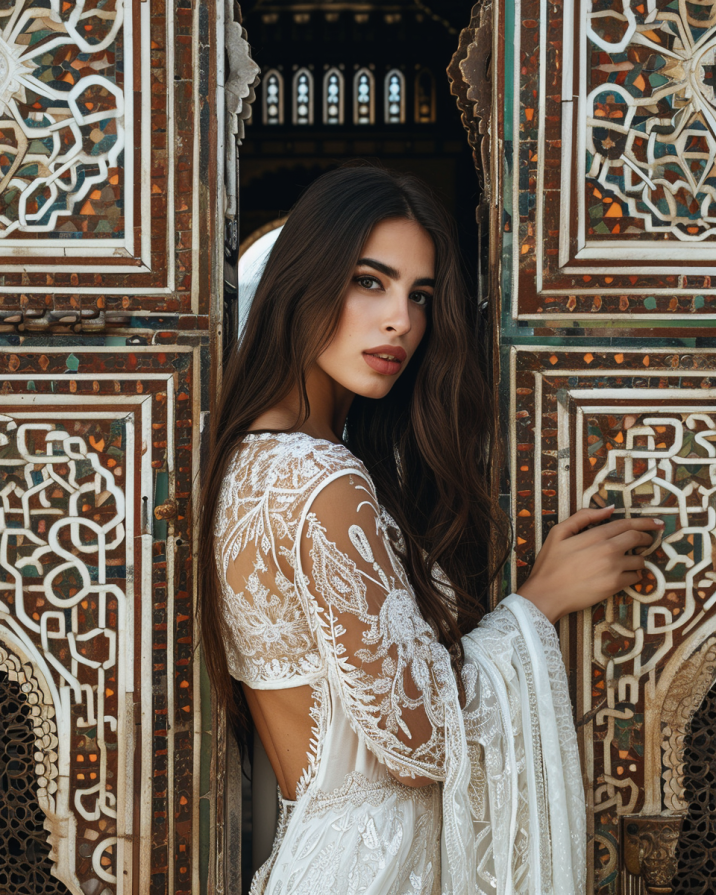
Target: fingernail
{"points": [[660, 522], [609, 507]]}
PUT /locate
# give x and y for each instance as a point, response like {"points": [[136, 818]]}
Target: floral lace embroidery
{"points": [[397, 637], [319, 716], [269, 637], [261, 877], [358, 790]]}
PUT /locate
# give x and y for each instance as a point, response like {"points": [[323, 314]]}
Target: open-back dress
{"points": [[319, 597]]}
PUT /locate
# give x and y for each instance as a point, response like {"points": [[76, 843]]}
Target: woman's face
{"points": [[385, 310]]}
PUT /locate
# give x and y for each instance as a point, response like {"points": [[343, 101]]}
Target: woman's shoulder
{"points": [[271, 478], [289, 463]]}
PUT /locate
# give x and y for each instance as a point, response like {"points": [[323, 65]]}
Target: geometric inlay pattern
{"points": [[99, 454], [63, 571], [104, 182], [648, 464], [637, 429], [61, 121], [651, 121], [610, 173]]}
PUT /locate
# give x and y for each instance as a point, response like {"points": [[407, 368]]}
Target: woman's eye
{"points": [[421, 298], [368, 282]]}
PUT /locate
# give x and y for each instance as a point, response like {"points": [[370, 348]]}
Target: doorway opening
{"points": [[342, 81]]}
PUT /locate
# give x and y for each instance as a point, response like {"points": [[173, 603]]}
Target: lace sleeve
{"points": [[391, 674]]}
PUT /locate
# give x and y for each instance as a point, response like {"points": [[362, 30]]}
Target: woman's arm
{"points": [[391, 673]]}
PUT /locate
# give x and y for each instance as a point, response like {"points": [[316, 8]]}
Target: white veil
{"points": [[251, 267]]}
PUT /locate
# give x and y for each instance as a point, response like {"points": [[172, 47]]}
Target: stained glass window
{"points": [[425, 97], [273, 98], [333, 88], [364, 97], [394, 97], [303, 97]]}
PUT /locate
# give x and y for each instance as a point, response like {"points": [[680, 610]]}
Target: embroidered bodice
{"points": [[265, 488], [314, 593], [316, 589]]}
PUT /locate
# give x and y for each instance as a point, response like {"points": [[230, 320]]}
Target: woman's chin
{"points": [[375, 390]]}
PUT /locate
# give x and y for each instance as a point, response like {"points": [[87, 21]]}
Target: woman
{"points": [[421, 745]]}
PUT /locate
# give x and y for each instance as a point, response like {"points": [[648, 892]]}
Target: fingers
{"points": [[580, 520], [631, 562], [628, 540], [619, 526], [630, 578]]}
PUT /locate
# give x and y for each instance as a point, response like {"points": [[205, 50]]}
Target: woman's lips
{"points": [[391, 361]]}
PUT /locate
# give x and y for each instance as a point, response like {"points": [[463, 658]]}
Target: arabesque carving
{"points": [[30, 772], [687, 692], [651, 131], [62, 556], [242, 78], [62, 130], [470, 79]]}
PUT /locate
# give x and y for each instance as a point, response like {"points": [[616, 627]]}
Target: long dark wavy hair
{"points": [[426, 444]]}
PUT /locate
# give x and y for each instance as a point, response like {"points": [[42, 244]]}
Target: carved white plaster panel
{"points": [[610, 176], [65, 120], [647, 121], [69, 578], [636, 429]]}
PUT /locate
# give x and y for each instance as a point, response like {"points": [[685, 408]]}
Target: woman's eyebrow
{"points": [[382, 268], [392, 272]]}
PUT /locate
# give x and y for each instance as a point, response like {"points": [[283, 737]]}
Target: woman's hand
{"points": [[576, 569]]}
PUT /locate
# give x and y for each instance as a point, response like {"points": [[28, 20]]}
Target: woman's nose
{"points": [[397, 319]]}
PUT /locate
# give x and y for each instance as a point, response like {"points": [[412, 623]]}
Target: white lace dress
{"points": [[320, 598]]}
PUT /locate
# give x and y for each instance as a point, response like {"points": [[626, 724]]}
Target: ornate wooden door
{"points": [[115, 122], [601, 203]]}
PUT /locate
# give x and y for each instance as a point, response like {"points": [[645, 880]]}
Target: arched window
{"points": [[273, 97], [395, 97], [425, 97], [364, 97], [333, 90], [303, 97]]}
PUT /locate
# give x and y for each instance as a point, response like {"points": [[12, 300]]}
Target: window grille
{"points": [[303, 97], [364, 97], [394, 97], [273, 98], [333, 89]]}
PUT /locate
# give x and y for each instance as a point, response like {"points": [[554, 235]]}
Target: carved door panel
{"points": [[601, 202], [112, 216]]}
